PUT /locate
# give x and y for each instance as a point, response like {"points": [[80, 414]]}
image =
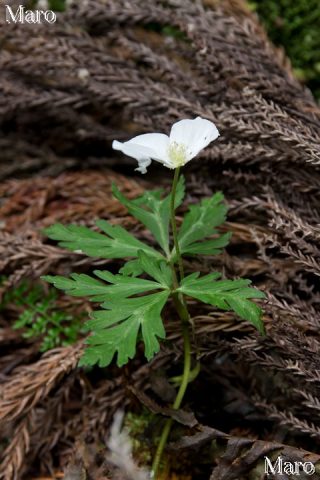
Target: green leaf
{"points": [[132, 268], [201, 221], [208, 247], [116, 329], [153, 211], [159, 270], [116, 242], [121, 286], [232, 295]]}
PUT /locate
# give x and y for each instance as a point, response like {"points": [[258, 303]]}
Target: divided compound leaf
{"points": [[158, 270], [121, 286], [208, 247], [115, 242], [153, 211], [132, 268], [115, 330], [200, 222], [232, 295]]}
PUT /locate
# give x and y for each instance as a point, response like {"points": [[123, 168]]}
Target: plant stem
{"points": [[186, 367], [174, 222], [177, 403], [183, 313]]}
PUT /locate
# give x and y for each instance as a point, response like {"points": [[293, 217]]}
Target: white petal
{"points": [[132, 150], [141, 154], [194, 135], [158, 143], [143, 164], [146, 147]]}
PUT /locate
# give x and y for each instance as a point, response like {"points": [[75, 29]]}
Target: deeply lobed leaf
{"points": [[116, 242], [232, 295], [201, 222], [132, 268], [208, 247], [116, 329], [153, 211], [121, 286], [159, 270]]}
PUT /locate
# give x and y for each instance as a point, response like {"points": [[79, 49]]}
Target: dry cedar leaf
{"points": [[185, 418], [161, 386], [78, 85], [202, 436], [240, 454]]}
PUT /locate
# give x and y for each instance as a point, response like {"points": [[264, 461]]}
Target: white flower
{"points": [[187, 138], [120, 455]]}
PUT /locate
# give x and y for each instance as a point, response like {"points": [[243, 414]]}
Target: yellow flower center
{"points": [[177, 154]]}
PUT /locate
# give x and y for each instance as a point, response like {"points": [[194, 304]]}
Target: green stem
{"points": [[183, 313], [177, 403], [174, 222], [186, 367]]}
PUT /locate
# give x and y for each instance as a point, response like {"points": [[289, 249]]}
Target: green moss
{"points": [[40, 317], [137, 425], [296, 26]]}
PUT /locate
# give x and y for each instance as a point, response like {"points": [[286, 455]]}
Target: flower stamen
{"points": [[178, 154]]}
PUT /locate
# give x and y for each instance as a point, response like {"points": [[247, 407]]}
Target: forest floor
{"points": [[102, 74]]}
